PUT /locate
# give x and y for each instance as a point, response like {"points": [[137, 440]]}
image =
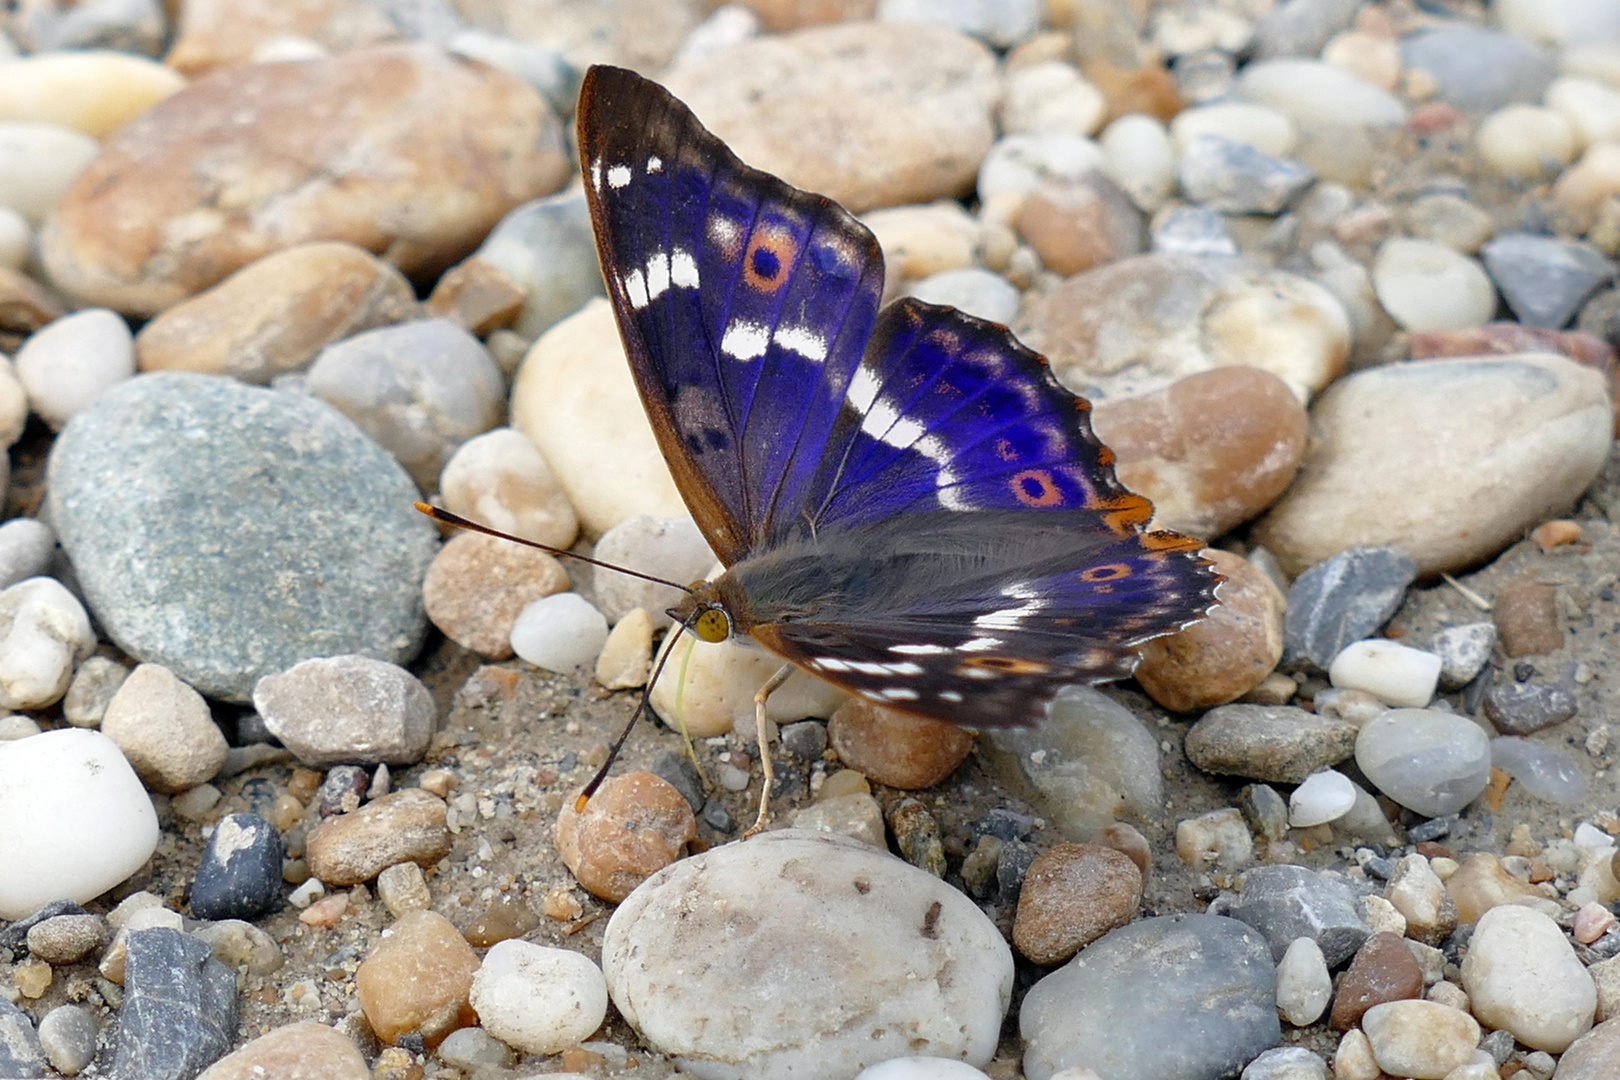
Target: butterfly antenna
{"points": [[641, 707], [460, 522]]}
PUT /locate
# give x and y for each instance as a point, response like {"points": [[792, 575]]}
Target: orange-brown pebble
{"points": [[1557, 533], [417, 979], [303, 784], [477, 585], [1482, 883], [561, 904], [327, 911], [634, 826], [1226, 655], [396, 1063], [478, 295], [1383, 970], [508, 917], [577, 1059], [439, 781], [1128, 841], [896, 748], [1072, 895], [1526, 617], [1592, 921], [1075, 224], [285, 812], [302, 1051], [356, 847]]}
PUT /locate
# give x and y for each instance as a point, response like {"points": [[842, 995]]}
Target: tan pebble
{"points": [[560, 903], [417, 979], [1447, 993], [1552, 534], [1482, 883], [402, 887], [285, 812], [1072, 895], [578, 1060], [626, 659], [95, 91], [1606, 977], [438, 781], [165, 729], [1370, 57], [351, 848], [1382, 970], [396, 1063], [303, 783], [1075, 224], [501, 480], [66, 939], [1420, 1038], [1526, 618], [1417, 893], [32, 978], [477, 585], [508, 917], [1353, 1060], [1592, 921], [301, 1051], [843, 782], [1583, 188], [325, 912], [779, 15], [633, 826], [856, 815], [1126, 839], [1228, 653], [895, 748], [25, 305], [921, 240], [476, 295]]}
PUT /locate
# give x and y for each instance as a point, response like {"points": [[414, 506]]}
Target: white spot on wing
{"points": [[635, 287], [950, 695], [657, 274], [655, 164], [980, 644], [919, 650], [722, 230], [618, 176], [802, 340], [683, 270], [863, 388], [900, 693], [596, 175], [745, 340]]}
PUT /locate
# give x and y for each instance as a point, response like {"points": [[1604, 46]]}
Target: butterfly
{"points": [[906, 501]]}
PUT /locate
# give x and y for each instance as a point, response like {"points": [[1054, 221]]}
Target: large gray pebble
{"points": [[1429, 761], [1277, 743], [348, 709], [1288, 902], [804, 954], [228, 532], [1480, 69], [1137, 1003]]}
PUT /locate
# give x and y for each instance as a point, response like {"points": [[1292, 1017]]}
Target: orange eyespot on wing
{"points": [[982, 666], [765, 264], [1108, 572], [1036, 488]]}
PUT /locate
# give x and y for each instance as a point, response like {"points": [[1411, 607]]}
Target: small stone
{"points": [[352, 848], [1074, 225], [1521, 974], [1420, 1038], [1320, 798], [633, 826], [66, 939], [1383, 970], [1432, 762], [1265, 811], [1396, 674], [1072, 895], [916, 835], [1428, 286], [239, 876], [538, 1000], [856, 815], [1275, 743], [1594, 1056], [73, 361], [499, 479], [1482, 883], [896, 748], [1544, 279], [43, 631], [292, 1052], [1524, 708], [32, 978], [179, 1008], [1463, 652], [341, 791], [67, 1035], [1235, 178], [1190, 230], [1527, 618], [478, 585], [238, 944], [559, 633], [626, 657], [1261, 127], [416, 980], [710, 688], [920, 241], [96, 91], [1288, 902], [1286, 1063], [1353, 1060], [348, 709], [1303, 983], [41, 159], [403, 888], [1451, 220], [1592, 921], [1343, 599], [1526, 142], [1052, 97], [1217, 840], [165, 729], [476, 296], [506, 918], [1417, 893], [1139, 157], [806, 739], [326, 912], [972, 290]]}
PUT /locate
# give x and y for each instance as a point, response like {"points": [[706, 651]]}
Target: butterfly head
{"points": [[703, 612]]}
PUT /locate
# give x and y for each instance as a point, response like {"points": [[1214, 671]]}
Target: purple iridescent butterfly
{"points": [[907, 502]]}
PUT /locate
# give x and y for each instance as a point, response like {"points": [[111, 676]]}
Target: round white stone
{"points": [[1526, 141], [1020, 161], [1323, 797], [37, 163], [74, 820], [43, 630], [74, 360], [672, 548], [1051, 97], [1304, 986], [537, 999], [499, 479], [1268, 130], [1139, 158], [1425, 285], [1431, 762], [1398, 675], [805, 954], [710, 688], [972, 290], [922, 1068], [1592, 109], [1422, 1039], [560, 632], [1320, 96], [1522, 975]]}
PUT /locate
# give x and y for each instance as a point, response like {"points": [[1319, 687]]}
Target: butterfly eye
{"points": [[713, 625]]}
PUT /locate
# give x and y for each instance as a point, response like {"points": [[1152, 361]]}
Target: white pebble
{"points": [[307, 893], [671, 548], [1396, 674], [1303, 983], [74, 360], [77, 820], [1323, 797], [1431, 762], [43, 631], [972, 290], [1526, 141], [1319, 95], [26, 547], [16, 238], [921, 1068], [17, 726], [1139, 158], [560, 632], [501, 480], [1268, 130], [1592, 109], [37, 163], [537, 999], [1425, 285], [1420, 1038], [1522, 975], [1051, 97], [1020, 161], [626, 657]]}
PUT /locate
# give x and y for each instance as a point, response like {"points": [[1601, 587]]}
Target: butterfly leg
{"points": [[770, 687]]}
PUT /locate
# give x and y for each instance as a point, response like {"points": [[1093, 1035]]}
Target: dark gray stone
{"points": [[342, 789], [1192, 230], [1012, 865], [806, 739], [239, 876], [1264, 810], [1524, 708], [1169, 998], [680, 773], [1432, 829], [1288, 902], [179, 1011], [14, 936], [718, 818], [1341, 600], [1004, 824], [1545, 280], [229, 532], [1478, 69], [20, 1053], [1280, 744], [1235, 178]]}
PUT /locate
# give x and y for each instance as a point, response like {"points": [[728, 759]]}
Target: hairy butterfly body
{"points": [[907, 502]]}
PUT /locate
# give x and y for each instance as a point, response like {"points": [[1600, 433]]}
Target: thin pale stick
{"points": [[618, 744], [771, 686], [680, 713]]}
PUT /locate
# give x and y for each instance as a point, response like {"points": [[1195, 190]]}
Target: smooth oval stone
{"points": [[805, 954], [1135, 1003], [1545, 771], [536, 999], [302, 1049], [1522, 974], [228, 532], [1321, 96], [96, 91], [1426, 285], [1432, 762], [69, 363], [1268, 130], [1322, 797], [1526, 142], [74, 819], [1448, 460], [1051, 96], [1020, 161], [1395, 674], [1275, 743], [972, 290], [710, 688], [1476, 68], [38, 162], [560, 632]]}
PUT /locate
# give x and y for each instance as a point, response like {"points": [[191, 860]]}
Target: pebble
{"points": [[478, 585], [110, 240], [1522, 708], [1593, 1056], [1286, 1063], [341, 790], [1303, 983], [1142, 323], [860, 911], [1398, 675], [1343, 599], [1420, 1038], [66, 939], [276, 313], [626, 657], [38, 161], [545, 247], [1526, 142], [81, 820], [472, 1050], [1285, 903], [238, 944], [1074, 225], [560, 632], [239, 876], [1211, 450], [325, 561], [972, 290], [1235, 178], [925, 1068], [1383, 970], [1020, 161], [1546, 772], [26, 548], [348, 709], [1479, 69], [1488, 448], [67, 1035], [538, 1000], [895, 748], [1218, 840], [710, 688], [1526, 617], [1483, 883], [1543, 279], [923, 93], [1274, 743], [635, 825], [1190, 230], [1000, 24], [856, 815], [1416, 892], [575, 400], [1521, 974], [1140, 158], [403, 888], [1320, 798], [293, 1051], [1592, 921], [1428, 761], [73, 361], [1463, 651], [1319, 96], [20, 1052], [16, 236], [1451, 220], [1591, 107], [420, 389], [95, 91], [499, 479], [1089, 765], [1051, 97], [179, 1009], [1073, 894], [1353, 1060], [1425, 285], [351, 848], [1267, 130], [1127, 1003], [506, 918], [43, 631], [672, 548], [416, 980], [165, 729]]}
